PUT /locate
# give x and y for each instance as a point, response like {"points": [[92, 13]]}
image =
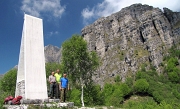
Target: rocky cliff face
{"points": [[52, 53], [136, 35]]}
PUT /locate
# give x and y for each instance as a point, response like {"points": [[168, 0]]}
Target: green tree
{"points": [[120, 91], [52, 67], [8, 82], [174, 77], [141, 86], [93, 95], [75, 96], [7, 85], [171, 64], [172, 70], [78, 62], [49, 68], [107, 93], [141, 75]]}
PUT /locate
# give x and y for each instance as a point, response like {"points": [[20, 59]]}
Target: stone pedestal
{"points": [[68, 105]]}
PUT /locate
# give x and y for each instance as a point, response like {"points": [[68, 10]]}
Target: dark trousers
{"points": [[63, 94], [52, 91], [57, 91]]}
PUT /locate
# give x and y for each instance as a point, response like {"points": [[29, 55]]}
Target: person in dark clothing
{"points": [[52, 81]]}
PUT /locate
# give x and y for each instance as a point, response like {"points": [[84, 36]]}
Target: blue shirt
{"points": [[64, 82]]}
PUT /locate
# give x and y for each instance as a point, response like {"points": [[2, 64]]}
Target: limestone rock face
{"points": [[52, 53], [136, 35]]}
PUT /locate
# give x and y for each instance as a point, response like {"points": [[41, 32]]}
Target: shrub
{"points": [[115, 101], [176, 94], [153, 86], [163, 78], [141, 75], [93, 95], [107, 93], [129, 82], [117, 97], [143, 67], [117, 78], [164, 105], [141, 86], [3, 95], [171, 64], [8, 82], [108, 90], [140, 103], [157, 96], [124, 88], [173, 77], [133, 105], [75, 96]]}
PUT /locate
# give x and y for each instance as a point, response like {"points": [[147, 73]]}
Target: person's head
{"points": [[57, 70], [52, 73], [64, 75]]}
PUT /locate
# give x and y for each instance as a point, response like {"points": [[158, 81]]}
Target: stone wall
{"points": [[20, 88]]}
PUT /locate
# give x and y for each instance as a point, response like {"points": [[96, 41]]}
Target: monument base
{"points": [[40, 103]]}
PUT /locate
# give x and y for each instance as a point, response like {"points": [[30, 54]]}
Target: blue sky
{"points": [[61, 19]]}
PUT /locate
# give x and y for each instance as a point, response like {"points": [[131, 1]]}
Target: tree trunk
{"points": [[82, 94]]}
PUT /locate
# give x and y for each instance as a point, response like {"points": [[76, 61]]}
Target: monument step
{"points": [[25, 106], [39, 101]]}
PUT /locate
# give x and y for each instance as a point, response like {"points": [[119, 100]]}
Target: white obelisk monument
{"points": [[31, 76]]}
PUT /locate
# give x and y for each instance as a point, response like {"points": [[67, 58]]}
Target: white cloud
{"points": [[107, 7], [51, 34], [86, 13], [39, 7]]}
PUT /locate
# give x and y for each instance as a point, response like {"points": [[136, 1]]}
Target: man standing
{"points": [[64, 86], [58, 76], [52, 81]]}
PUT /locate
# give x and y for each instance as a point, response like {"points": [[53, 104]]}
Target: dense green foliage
{"points": [[141, 86], [7, 85], [8, 82], [79, 63], [146, 90], [51, 67]]}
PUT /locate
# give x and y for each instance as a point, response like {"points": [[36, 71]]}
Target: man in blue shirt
{"points": [[64, 86]]}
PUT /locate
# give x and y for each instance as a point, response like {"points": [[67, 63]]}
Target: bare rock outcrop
{"points": [[136, 35], [52, 53]]}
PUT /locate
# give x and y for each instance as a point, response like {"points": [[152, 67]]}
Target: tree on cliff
{"points": [[78, 62]]}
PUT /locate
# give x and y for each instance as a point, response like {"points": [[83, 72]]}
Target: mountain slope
{"points": [[52, 53], [136, 35]]}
